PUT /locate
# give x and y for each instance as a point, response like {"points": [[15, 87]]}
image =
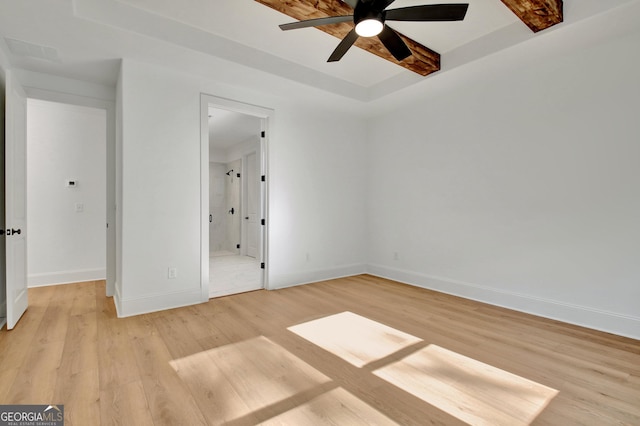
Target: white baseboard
{"points": [[611, 322], [66, 277], [155, 302], [308, 277]]}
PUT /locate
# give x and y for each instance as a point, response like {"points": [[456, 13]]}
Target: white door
{"points": [[16, 200], [3, 260], [252, 205]]}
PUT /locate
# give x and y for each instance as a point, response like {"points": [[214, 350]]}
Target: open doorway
{"points": [[236, 200], [69, 138], [66, 147]]}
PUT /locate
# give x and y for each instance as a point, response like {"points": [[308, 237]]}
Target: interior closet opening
{"points": [[236, 202]]}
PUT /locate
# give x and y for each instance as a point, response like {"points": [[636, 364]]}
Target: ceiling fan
{"points": [[369, 17]]}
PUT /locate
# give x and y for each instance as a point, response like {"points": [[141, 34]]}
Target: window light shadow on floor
{"points": [[472, 391], [258, 381], [336, 407], [354, 338]]}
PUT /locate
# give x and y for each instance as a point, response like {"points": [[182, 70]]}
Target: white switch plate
{"points": [[172, 273]]}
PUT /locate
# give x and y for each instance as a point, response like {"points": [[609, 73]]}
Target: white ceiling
{"points": [[229, 128], [203, 37], [256, 26]]}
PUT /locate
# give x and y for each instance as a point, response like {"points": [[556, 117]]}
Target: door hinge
{"points": [[237, 246], [263, 134], [263, 178], [262, 222], [262, 265]]}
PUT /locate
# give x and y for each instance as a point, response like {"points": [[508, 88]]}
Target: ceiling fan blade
{"points": [[394, 43], [344, 45], [429, 12], [351, 3], [316, 22]]}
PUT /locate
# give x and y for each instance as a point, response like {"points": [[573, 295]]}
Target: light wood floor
{"points": [[355, 350]]}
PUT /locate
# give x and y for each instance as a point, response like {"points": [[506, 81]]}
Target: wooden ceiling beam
{"points": [[423, 61], [537, 14]]}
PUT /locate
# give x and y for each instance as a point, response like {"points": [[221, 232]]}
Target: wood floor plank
{"points": [[170, 401], [116, 360], [38, 374], [80, 394], [177, 336], [236, 360], [7, 377], [81, 345], [84, 301], [125, 405]]}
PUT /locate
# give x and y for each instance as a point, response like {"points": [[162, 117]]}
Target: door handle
{"points": [[247, 218], [232, 211], [12, 231], [210, 218]]}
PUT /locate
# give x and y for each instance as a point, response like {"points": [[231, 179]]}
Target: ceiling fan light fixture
{"points": [[369, 27]]}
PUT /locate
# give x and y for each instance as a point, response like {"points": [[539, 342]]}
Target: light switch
{"points": [[79, 207]]}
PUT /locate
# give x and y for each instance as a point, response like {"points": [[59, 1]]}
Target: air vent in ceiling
{"points": [[23, 48]]}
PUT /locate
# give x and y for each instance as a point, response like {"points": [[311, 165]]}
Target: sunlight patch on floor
{"points": [[355, 339], [336, 407], [472, 391], [248, 376]]}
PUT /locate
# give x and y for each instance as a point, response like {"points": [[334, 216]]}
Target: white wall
{"points": [[316, 179], [317, 216], [517, 183], [160, 198], [65, 142]]}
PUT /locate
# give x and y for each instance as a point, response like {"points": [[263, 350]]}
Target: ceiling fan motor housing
{"points": [[364, 11]]}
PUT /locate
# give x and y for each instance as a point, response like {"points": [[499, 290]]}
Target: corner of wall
{"points": [[117, 153], [117, 300]]}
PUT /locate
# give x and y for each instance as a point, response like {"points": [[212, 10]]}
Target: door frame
{"points": [[266, 115], [244, 227], [110, 190]]}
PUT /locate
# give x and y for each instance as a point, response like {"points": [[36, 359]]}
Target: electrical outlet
{"points": [[172, 273]]}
